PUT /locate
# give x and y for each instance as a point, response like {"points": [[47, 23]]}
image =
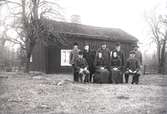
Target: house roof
{"points": [[86, 31]]}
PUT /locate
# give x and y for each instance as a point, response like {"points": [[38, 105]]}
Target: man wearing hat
{"points": [[119, 52], [89, 55], [81, 66], [132, 68], [138, 54], [105, 52], [73, 56], [101, 63]]}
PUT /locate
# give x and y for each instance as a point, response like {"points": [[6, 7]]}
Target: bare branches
{"points": [[13, 2], [158, 27], [2, 2], [26, 16]]}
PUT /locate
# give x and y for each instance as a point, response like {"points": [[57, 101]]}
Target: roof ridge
{"points": [[88, 30]]}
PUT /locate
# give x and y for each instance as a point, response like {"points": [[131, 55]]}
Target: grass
{"points": [[29, 94]]}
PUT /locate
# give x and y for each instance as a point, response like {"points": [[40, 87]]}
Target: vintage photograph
{"points": [[83, 56]]}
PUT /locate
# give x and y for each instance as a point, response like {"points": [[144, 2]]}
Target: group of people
{"points": [[105, 65]]}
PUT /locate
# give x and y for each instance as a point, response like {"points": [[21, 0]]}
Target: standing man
{"points": [[89, 55], [138, 54], [102, 62], [73, 57], [105, 54], [121, 56]]}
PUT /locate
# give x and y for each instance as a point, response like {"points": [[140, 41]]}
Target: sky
{"points": [[127, 15]]}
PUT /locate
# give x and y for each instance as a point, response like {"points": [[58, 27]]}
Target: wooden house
{"points": [[52, 55]]}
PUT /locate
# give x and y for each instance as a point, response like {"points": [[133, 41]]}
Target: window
{"points": [[65, 57], [31, 59]]}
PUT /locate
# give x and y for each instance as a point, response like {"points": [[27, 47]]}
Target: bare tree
{"points": [[27, 15], [163, 19], [3, 41], [158, 36], [2, 2]]}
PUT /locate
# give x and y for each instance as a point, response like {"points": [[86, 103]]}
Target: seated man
{"points": [[81, 66], [115, 68], [132, 68]]}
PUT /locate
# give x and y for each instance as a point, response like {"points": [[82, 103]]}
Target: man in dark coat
{"points": [[81, 67], [122, 58], [89, 55], [73, 56], [120, 54], [102, 61], [132, 68], [138, 56], [105, 52]]}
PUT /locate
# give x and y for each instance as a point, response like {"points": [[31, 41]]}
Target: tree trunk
{"points": [[29, 53], [27, 67], [163, 56], [159, 58], [32, 32]]}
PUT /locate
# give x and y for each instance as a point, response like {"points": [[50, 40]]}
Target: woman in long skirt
{"points": [[101, 72], [115, 69]]}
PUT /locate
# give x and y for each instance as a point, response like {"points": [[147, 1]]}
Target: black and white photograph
{"points": [[83, 56]]}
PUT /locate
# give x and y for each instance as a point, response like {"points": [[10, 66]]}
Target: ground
{"points": [[57, 94]]}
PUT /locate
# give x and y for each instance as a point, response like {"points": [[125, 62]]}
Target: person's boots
{"points": [[133, 79], [126, 78], [137, 79]]}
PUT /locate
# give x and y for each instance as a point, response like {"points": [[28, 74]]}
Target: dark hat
{"points": [[135, 45], [118, 44], [80, 52], [86, 44], [104, 43], [75, 44], [132, 52]]}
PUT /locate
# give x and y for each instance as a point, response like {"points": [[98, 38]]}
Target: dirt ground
{"points": [[57, 94]]}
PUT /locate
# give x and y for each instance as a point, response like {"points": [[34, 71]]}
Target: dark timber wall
{"points": [[53, 53]]}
